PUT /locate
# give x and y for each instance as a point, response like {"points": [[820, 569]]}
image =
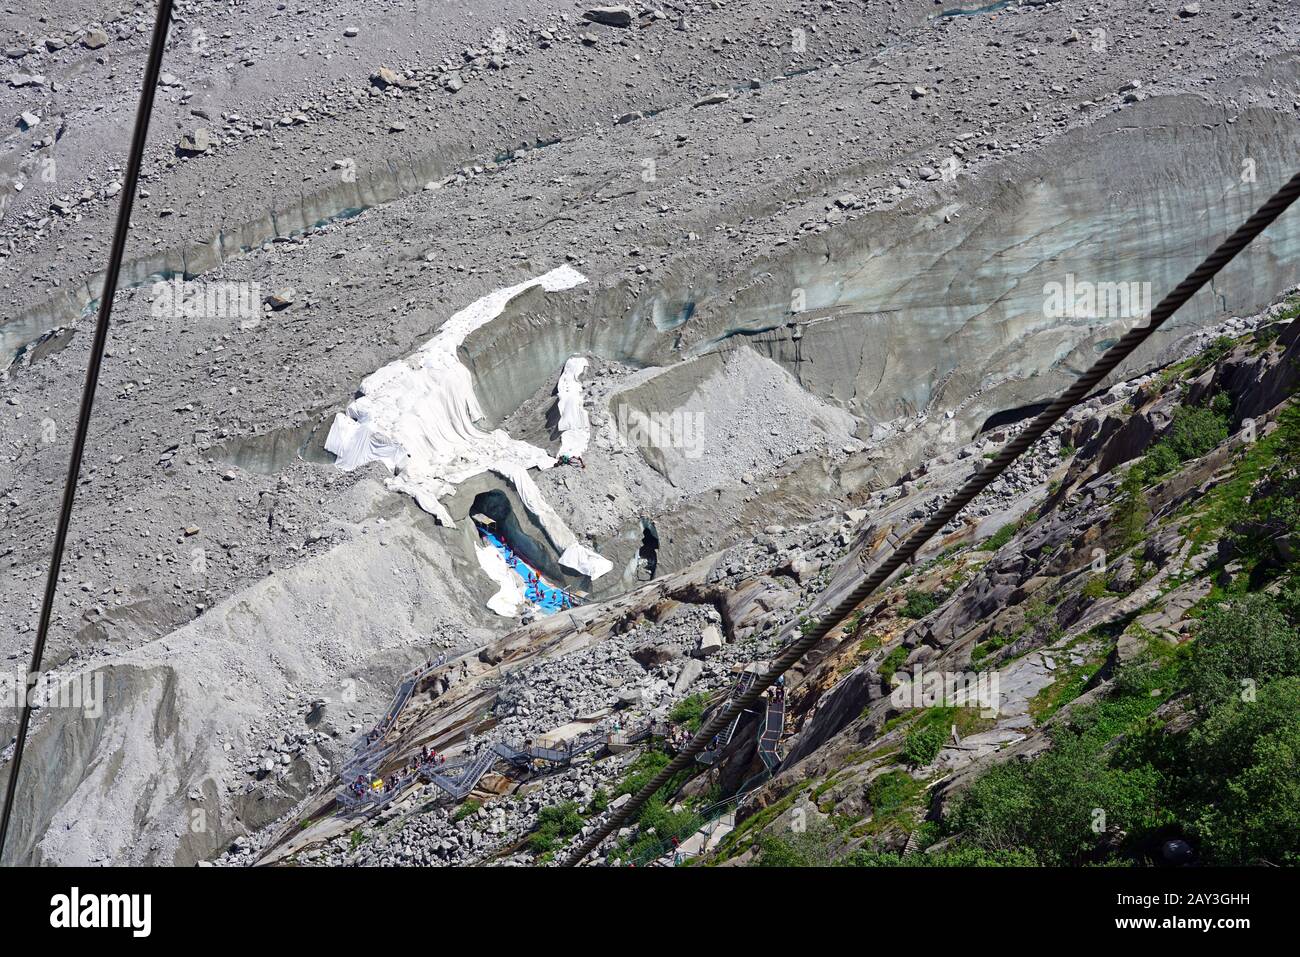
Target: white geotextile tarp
{"points": [[417, 415], [573, 554], [575, 429], [510, 588]]}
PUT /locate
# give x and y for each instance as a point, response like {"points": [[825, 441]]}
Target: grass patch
{"points": [[465, 810], [918, 604], [689, 712], [893, 661]]}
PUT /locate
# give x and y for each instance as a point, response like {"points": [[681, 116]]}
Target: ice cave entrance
{"points": [[647, 557], [530, 582]]}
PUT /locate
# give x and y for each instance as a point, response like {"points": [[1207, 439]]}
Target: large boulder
{"points": [[690, 673], [710, 641], [619, 16], [651, 656], [195, 143]]}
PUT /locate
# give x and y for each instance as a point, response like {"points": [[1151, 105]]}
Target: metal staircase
{"points": [[773, 726], [710, 755], [458, 778]]}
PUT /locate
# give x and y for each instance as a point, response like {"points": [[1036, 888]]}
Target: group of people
{"points": [[533, 586], [678, 737], [363, 785], [380, 785]]}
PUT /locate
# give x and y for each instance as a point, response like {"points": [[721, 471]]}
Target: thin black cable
{"points": [[120, 230], [1113, 356]]}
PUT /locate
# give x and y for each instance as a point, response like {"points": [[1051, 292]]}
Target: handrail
{"points": [[461, 776]]}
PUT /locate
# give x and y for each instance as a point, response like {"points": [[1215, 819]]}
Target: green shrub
{"points": [[923, 744], [1195, 431], [920, 603], [893, 661], [1007, 532], [554, 825], [955, 857], [1132, 511], [1050, 805], [641, 771], [599, 802], [1245, 640], [815, 847], [892, 792], [689, 711], [990, 645], [1096, 587], [999, 538], [466, 809], [1246, 769]]}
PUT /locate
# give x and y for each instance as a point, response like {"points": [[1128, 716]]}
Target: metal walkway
{"points": [[773, 727], [710, 754], [370, 750], [458, 778]]}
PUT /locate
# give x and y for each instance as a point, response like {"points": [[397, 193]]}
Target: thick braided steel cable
{"points": [[140, 135], [984, 474]]}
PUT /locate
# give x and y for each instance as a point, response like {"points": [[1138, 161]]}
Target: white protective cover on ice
{"points": [[572, 553], [575, 429], [417, 414], [510, 595]]}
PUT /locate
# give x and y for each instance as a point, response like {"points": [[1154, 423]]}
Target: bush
{"points": [[893, 661], [955, 857], [1049, 805], [1132, 510], [1247, 639], [689, 711], [815, 847], [554, 825], [921, 603], [465, 810], [641, 771], [1246, 760], [892, 792], [923, 744], [1194, 431], [1096, 587], [999, 538], [1007, 532], [988, 646]]}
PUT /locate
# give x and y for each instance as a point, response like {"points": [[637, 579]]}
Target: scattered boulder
{"points": [[195, 143], [94, 39], [690, 673], [619, 16], [385, 77], [712, 99], [710, 641], [280, 300], [651, 656]]}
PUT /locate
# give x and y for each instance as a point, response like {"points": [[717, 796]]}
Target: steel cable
{"points": [[140, 134]]}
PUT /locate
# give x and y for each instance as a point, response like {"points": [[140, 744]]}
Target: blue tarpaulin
{"points": [[536, 588]]}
